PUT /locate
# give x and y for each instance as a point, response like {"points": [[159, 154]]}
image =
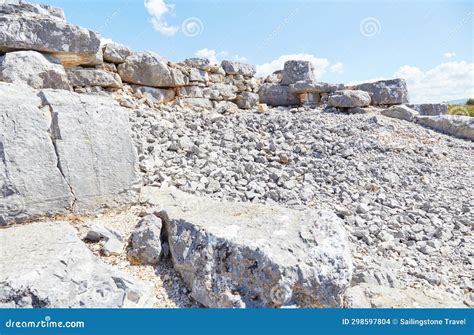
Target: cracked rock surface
{"points": [[61, 152]]}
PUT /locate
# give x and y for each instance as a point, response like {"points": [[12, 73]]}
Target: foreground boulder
{"points": [[377, 296], [145, 241], [349, 99], [277, 95], [297, 70], [249, 255], [61, 151], [386, 92], [458, 126], [46, 265], [43, 28], [34, 69], [149, 69]]}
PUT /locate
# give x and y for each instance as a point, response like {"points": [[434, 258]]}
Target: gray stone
{"points": [[156, 95], [149, 69], [349, 99], [93, 77], [386, 92], [247, 100], [297, 70], [277, 95], [375, 296], [220, 91], [233, 67], [249, 255], [47, 265], [197, 75], [145, 241], [113, 247], [31, 183], [42, 28], [115, 53], [430, 109], [34, 69], [308, 86], [97, 233], [92, 140], [458, 126], [400, 112]]}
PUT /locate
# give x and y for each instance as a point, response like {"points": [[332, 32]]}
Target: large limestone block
{"points": [[400, 112], [277, 95], [43, 28], [458, 126], [115, 53], [349, 99], [34, 69], [430, 109], [386, 92], [45, 264], [93, 142], [233, 67], [31, 181], [149, 69], [93, 77], [297, 70], [250, 255]]}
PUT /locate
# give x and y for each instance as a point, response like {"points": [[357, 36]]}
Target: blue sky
{"points": [[429, 43]]}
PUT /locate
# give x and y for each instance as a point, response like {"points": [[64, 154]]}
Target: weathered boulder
{"points": [[297, 70], [45, 264], [93, 77], [115, 53], [92, 139], [219, 91], [31, 183], [386, 92], [458, 126], [249, 255], [204, 64], [156, 95], [430, 109], [348, 99], [233, 67], [34, 69], [62, 151], [145, 241], [401, 112], [376, 296], [277, 95], [98, 233], [149, 69], [247, 100], [42, 28], [197, 75], [307, 86]]}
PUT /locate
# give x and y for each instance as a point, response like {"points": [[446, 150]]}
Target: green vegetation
{"points": [[467, 110], [470, 102]]}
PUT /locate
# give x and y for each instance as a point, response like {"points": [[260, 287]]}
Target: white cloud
{"points": [[320, 64], [105, 40], [444, 82], [158, 9], [337, 68], [449, 55], [216, 56], [240, 58]]}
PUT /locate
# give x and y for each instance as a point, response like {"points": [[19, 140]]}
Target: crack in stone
{"points": [[54, 133]]}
